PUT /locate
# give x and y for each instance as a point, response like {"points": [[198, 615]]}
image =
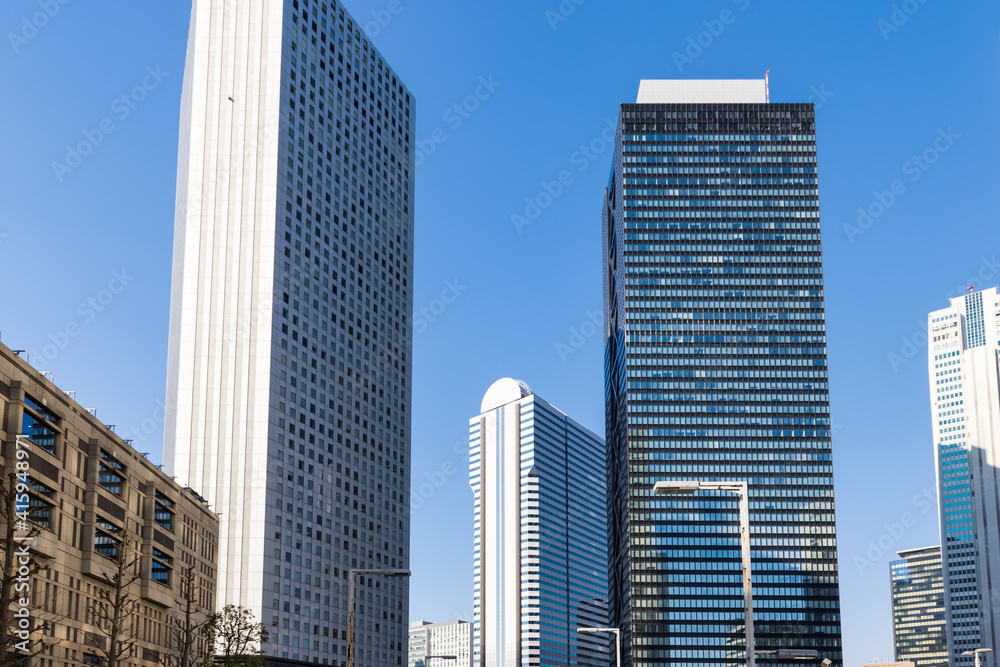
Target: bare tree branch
{"points": [[116, 607], [21, 564], [184, 628]]}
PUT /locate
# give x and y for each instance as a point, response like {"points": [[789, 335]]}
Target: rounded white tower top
{"points": [[502, 392]]}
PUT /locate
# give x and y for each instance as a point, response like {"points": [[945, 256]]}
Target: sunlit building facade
{"points": [[289, 360], [447, 644], [716, 369], [965, 405], [918, 615], [92, 502], [540, 546]]}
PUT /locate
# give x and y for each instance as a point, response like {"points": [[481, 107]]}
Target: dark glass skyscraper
{"points": [[715, 369]]}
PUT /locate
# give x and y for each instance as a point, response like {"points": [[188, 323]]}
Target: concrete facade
{"points": [[451, 638], [964, 370], [87, 487], [289, 361]]}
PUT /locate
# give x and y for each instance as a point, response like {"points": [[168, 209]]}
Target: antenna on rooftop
{"points": [[767, 86]]}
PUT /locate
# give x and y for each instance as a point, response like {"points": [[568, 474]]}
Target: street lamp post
{"points": [[791, 653], [976, 653], [618, 641], [739, 488], [350, 603]]}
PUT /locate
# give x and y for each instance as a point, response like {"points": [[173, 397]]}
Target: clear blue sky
{"points": [[885, 96]]}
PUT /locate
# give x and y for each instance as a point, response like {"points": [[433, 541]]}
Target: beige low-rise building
{"points": [[91, 496]]}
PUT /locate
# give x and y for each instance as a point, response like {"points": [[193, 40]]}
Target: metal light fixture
{"points": [[350, 622], [976, 653], [740, 489], [791, 653], [618, 641]]}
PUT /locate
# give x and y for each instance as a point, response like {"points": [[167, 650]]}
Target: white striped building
{"points": [[540, 556]]}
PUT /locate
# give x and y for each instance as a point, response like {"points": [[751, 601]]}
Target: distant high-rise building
{"points": [[918, 616], [540, 555], [433, 644], [965, 405], [715, 369], [289, 364]]}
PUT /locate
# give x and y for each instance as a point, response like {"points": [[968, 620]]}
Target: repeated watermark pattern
{"points": [[381, 18], [819, 96], [899, 17], [454, 116], [425, 315], [423, 318], [697, 43], [87, 311], [121, 108], [914, 168], [580, 334], [219, 179], [35, 22], [885, 543], [434, 480], [562, 12], [148, 426], [550, 190]]}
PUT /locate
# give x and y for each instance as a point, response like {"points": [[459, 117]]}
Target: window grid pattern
{"points": [[974, 324], [39, 429], [540, 547], [963, 365], [715, 356], [918, 613], [339, 488]]}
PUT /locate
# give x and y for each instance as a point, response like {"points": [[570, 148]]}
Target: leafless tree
{"points": [[117, 605], [21, 563], [184, 628]]}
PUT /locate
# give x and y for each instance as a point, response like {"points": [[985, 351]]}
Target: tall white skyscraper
{"points": [[289, 359], [540, 554], [964, 363]]}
